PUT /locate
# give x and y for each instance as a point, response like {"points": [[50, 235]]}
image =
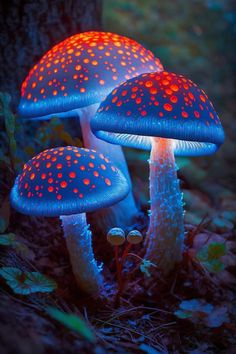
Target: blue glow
{"points": [[83, 192], [79, 244], [81, 71], [140, 109]]}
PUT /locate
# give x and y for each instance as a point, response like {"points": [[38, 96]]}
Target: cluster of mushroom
{"points": [[116, 237], [123, 97]]}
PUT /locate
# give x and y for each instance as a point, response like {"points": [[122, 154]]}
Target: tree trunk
{"points": [[29, 28]]}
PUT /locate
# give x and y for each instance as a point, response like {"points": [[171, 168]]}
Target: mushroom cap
{"points": [[67, 180], [81, 71], [163, 105], [116, 236], [134, 237]]}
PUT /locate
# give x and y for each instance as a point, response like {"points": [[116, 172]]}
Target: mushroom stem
{"points": [[164, 241], [79, 244], [123, 213]]}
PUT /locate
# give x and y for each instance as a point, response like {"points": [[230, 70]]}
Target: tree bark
{"points": [[29, 28]]}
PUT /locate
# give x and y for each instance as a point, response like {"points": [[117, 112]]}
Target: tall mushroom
{"points": [[68, 182], [167, 114], [73, 77]]}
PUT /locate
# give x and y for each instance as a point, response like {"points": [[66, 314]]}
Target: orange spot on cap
{"points": [[174, 88], [148, 84], [143, 113], [153, 90], [107, 181], [202, 98], [168, 107], [86, 181], [184, 114], [174, 99]]}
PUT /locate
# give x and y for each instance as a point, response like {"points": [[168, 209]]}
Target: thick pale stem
{"points": [[122, 214], [79, 244], [164, 240]]}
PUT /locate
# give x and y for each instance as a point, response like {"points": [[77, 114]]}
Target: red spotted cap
{"points": [[67, 180], [81, 71], [159, 105]]}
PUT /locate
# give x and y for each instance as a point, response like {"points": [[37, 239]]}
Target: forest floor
{"points": [[153, 315]]}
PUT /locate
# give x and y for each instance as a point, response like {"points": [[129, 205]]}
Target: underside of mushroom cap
{"points": [[81, 71], [67, 180], [163, 105]]}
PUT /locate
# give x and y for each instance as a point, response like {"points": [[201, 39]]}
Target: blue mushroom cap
{"points": [[81, 71], [67, 180], [163, 105]]}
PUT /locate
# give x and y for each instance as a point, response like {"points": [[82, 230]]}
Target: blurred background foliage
{"points": [[195, 38]]}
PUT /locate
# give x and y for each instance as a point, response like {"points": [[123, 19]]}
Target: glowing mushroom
{"points": [[68, 182], [167, 114], [71, 80]]}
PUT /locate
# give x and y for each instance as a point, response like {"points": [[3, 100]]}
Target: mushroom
{"points": [[134, 237], [116, 237], [71, 80], [68, 182], [167, 114]]}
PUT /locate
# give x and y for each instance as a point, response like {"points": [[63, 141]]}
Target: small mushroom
{"points": [[68, 182], [167, 114], [134, 237], [72, 78], [116, 236]]}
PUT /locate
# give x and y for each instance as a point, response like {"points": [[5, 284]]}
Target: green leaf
{"points": [[214, 266], [210, 256], [202, 254], [7, 239], [73, 322], [10, 240], [216, 250], [26, 283], [200, 311], [183, 314]]}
